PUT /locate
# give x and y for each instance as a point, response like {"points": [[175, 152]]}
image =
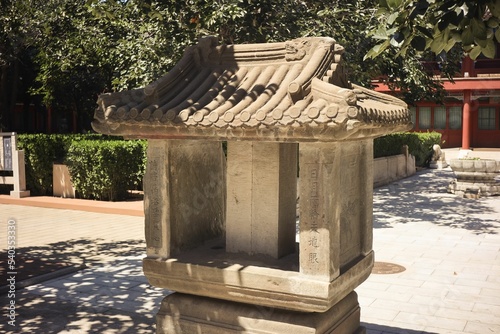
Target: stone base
{"points": [[474, 189], [20, 194], [438, 165], [186, 314]]}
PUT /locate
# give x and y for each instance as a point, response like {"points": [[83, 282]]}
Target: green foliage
{"points": [[42, 150], [105, 170], [437, 25], [419, 145], [83, 48]]}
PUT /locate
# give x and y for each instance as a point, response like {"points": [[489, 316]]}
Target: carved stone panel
{"points": [[184, 195], [319, 218]]}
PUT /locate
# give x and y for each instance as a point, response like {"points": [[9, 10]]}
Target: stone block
{"points": [[61, 182], [19, 175], [187, 314]]}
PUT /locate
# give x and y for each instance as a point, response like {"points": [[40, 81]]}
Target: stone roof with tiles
{"points": [[291, 91]]}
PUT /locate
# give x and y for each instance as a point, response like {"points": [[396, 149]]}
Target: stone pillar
{"points": [[19, 174], [336, 191], [261, 198], [184, 195], [319, 214]]}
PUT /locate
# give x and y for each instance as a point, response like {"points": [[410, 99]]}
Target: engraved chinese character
{"points": [[314, 174], [313, 258], [314, 202], [314, 189], [313, 242]]}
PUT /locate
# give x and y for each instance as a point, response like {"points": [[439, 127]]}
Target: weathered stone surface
{"points": [[290, 91], [212, 316], [438, 160], [475, 177], [248, 265], [389, 169], [184, 195], [61, 182], [261, 198], [335, 206]]}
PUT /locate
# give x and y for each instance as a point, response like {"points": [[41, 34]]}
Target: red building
{"points": [[470, 115]]}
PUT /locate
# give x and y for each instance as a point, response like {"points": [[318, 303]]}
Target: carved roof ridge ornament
{"points": [[290, 92]]}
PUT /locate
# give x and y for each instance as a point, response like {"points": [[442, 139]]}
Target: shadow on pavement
{"points": [[110, 296], [379, 329], [424, 197]]}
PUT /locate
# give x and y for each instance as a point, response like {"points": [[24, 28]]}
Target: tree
{"points": [[17, 35], [437, 25], [79, 49]]}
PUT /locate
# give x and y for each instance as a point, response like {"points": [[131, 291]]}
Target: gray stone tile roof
{"points": [[290, 91]]}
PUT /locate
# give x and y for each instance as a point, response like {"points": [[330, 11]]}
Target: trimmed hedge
{"points": [[42, 150], [419, 145], [106, 170]]}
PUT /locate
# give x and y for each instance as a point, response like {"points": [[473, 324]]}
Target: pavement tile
{"points": [[474, 316], [437, 302], [426, 320], [481, 328]]}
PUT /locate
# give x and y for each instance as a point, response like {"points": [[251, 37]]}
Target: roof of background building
{"points": [[290, 91]]}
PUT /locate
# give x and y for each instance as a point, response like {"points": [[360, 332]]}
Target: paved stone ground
{"points": [[449, 246], [110, 296]]}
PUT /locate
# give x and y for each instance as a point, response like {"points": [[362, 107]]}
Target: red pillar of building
{"points": [[466, 120]]}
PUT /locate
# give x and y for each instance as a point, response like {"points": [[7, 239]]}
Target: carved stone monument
{"points": [[221, 231], [438, 160], [12, 165], [475, 178]]}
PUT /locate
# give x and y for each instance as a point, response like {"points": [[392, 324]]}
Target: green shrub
{"points": [[106, 169], [40, 152], [419, 145]]}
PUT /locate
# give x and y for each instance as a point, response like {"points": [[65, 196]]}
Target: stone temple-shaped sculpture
{"points": [[221, 230]]}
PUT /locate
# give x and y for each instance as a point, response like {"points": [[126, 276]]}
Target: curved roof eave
{"points": [[291, 91]]}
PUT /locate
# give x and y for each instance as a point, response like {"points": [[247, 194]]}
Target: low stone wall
{"points": [[389, 169]]}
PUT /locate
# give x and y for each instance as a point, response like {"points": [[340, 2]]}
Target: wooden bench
{"points": [[12, 167]]}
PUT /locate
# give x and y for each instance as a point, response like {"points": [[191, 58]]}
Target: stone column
{"points": [[336, 191], [261, 198], [19, 174], [319, 214]]}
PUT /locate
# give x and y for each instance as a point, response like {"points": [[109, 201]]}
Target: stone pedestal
{"points": [[186, 314], [475, 177]]}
